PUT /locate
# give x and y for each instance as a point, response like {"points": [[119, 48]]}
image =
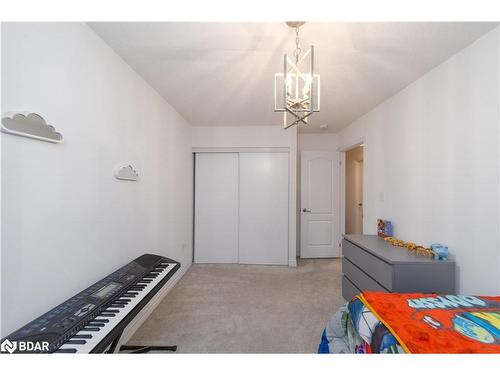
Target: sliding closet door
{"points": [[263, 227], [216, 208]]}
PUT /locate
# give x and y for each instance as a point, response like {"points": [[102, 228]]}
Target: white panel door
{"points": [[319, 236], [263, 208], [216, 208]]}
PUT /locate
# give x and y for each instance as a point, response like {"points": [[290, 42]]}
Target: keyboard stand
{"points": [[137, 349]]}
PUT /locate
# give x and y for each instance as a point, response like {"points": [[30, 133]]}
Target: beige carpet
{"points": [[246, 309]]}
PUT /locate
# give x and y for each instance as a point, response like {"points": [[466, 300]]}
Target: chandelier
{"points": [[297, 89]]}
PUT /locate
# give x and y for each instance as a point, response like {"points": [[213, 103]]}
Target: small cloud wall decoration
{"points": [[126, 172], [30, 125]]}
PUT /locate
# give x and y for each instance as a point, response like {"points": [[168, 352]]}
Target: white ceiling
{"points": [[221, 74]]}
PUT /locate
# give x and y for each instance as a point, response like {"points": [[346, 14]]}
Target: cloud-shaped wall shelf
{"points": [[126, 172], [30, 125]]}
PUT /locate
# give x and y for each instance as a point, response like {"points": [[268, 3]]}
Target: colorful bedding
{"points": [[376, 322]]}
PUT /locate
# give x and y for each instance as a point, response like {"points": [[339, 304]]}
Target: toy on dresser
{"points": [[384, 228], [440, 251]]}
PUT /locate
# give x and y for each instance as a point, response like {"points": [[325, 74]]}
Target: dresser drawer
{"points": [[349, 290], [359, 278], [376, 268]]}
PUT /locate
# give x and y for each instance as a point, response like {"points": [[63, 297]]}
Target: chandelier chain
{"points": [[297, 51]]}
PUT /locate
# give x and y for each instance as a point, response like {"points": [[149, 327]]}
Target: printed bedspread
{"points": [[376, 322]]}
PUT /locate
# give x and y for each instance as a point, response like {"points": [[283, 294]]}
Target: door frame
{"points": [[342, 180], [292, 189], [336, 213]]}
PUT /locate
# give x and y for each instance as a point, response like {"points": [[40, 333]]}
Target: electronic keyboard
{"points": [[92, 321]]}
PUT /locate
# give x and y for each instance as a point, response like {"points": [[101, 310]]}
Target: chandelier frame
{"points": [[292, 78]]}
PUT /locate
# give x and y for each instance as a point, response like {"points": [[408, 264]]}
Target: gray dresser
{"points": [[371, 264]]}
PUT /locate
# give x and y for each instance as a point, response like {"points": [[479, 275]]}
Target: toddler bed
{"points": [[379, 322]]}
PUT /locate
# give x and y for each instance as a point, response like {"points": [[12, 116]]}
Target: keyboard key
{"points": [[68, 350], [76, 342], [81, 336], [94, 324]]}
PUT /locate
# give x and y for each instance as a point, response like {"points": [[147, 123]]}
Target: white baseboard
{"points": [[141, 317], [292, 263]]}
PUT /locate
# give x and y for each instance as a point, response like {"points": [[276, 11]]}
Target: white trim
{"points": [[146, 311], [355, 143], [292, 263], [342, 158], [240, 149], [292, 204]]}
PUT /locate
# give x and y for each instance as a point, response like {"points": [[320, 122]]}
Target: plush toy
{"points": [[440, 251]]}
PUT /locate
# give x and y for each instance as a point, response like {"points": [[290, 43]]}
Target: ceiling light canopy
{"points": [[297, 89]]}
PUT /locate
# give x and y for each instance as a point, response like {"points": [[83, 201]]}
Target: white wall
{"points": [[432, 162], [318, 142], [66, 221], [257, 137], [244, 136]]}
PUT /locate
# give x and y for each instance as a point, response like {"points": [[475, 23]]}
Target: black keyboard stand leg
{"points": [[114, 344], [137, 349]]}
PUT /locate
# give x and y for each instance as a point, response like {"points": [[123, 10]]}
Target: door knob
{"points": [[305, 210]]}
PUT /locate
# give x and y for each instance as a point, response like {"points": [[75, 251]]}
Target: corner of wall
{"points": [[498, 155]]}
